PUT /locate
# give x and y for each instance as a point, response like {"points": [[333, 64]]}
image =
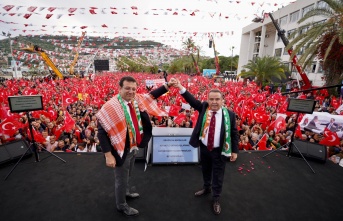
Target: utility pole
{"points": [[233, 47], [13, 60]]}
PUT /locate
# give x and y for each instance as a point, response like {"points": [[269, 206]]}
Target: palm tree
{"points": [[323, 40], [190, 46], [263, 69]]}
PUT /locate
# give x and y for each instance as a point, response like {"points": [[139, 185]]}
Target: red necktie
{"points": [[135, 123], [210, 139]]}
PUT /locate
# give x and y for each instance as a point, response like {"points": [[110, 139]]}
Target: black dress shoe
{"points": [[216, 207], [132, 195], [203, 192]]}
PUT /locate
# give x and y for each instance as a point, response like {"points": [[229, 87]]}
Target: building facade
{"points": [[261, 39]]}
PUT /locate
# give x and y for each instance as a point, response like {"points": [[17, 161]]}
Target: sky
{"points": [[170, 22]]}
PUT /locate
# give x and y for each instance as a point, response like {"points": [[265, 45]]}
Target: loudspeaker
{"points": [[309, 150], [101, 65], [12, 151]]}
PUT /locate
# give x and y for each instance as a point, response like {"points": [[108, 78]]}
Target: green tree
{"points": [[263, 69], [323, 40], [191, 47]]}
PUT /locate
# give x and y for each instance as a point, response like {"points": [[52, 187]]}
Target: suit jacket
{"points": [[105, 141], [201, 107]]}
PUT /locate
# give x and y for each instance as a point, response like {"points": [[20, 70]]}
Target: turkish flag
{"points": [[58, 132], [178, 119], [52, 113], [330, 138], [68, 100], [298, 132], [36, 135], [278, 125], [262, 143], [69, 122], [8, 127], [174, 110], [5, 112]]}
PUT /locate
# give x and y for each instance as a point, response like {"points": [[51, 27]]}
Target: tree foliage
{"points": [[323, 40], [263, 69]]}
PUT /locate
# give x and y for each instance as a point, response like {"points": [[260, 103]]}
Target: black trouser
{"points": [[213, 168]]}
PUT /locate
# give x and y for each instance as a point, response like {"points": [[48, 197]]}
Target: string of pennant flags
{"points": [[12, 10]]}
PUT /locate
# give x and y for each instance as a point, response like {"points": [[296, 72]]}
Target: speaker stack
{"points": [[101, 65], [12, 151], [309, 150]]}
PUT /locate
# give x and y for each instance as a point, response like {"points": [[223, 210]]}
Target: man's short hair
{"points": [[126, 78], [215, 91]]}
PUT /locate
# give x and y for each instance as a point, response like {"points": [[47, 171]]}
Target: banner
{"points": [[208, 72], [318, 121]]}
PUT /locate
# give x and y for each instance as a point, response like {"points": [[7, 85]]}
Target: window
{"points": [[313, 67], [303, 30], [320, 68], [257, 48], [293, 17], [283, 21], [322, 4], [258, 36], [285, 52], [278, 52], [307, 9], [289, 33], [301, 51], [254, 57], [278, 38]]}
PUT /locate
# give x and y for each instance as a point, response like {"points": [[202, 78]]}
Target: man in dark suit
{"points": [[216, 134], [332, 126], [123, 127]]}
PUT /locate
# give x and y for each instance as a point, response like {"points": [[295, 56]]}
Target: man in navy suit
{"points": [[214, 148]]}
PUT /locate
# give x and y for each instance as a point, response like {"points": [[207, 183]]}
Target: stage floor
{"points": [[255, 188]]}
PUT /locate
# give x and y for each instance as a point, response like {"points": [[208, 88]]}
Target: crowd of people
{"points": [[68, 122]]}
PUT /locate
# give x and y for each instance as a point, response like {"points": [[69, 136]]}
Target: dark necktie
{"points": [[210, 139], [135, 123]]}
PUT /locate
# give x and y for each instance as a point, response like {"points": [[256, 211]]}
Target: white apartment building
{"points": [[261, 39]]}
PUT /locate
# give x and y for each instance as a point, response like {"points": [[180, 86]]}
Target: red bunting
{"points": [[32, 9], [27, 16], [8, 7], [71, 10], [51, 9]]}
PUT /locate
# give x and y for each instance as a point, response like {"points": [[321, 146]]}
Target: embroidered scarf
{"points": [[112, 118], [226, 149], [130, 126]]}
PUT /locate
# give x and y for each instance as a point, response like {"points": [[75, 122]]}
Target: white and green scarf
{"points": [[226, 151]]}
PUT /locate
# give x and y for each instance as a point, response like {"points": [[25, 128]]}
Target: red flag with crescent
{"points": [[330, 138], [8, 127]]}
